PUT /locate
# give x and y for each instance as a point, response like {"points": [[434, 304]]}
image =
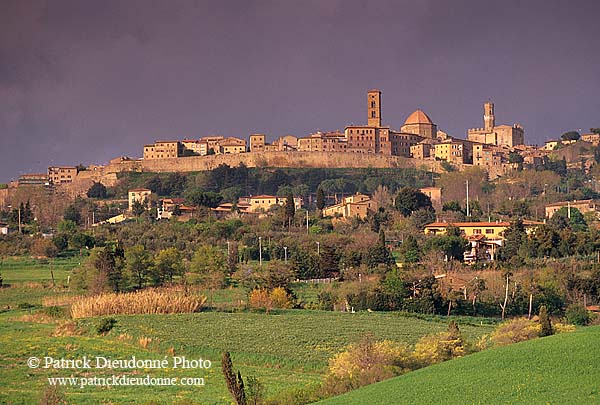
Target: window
{"points": [[476, 231], [489, 231]]}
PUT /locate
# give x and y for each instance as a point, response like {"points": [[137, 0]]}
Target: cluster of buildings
{"points": [[418, 138]]}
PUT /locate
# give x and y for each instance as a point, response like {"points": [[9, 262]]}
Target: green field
{"points": [[27, 270], [561, 369], [285, 350]]}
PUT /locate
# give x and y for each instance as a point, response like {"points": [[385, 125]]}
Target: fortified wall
{"points": [[294, 159]]}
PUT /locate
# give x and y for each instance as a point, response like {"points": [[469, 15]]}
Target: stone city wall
{"points": [[286, 159]]}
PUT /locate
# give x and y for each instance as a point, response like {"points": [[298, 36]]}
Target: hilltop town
{"points": [[418, 142]]}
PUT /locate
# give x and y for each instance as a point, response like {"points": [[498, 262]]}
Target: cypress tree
{"points": [[545, 322]]}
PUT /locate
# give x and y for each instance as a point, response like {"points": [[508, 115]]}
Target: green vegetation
{"points": [[557, 369], [21, 270]]}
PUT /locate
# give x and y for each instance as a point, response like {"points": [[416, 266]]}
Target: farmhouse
{"points": [[358, 205]]}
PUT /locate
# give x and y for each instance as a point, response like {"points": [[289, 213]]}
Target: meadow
{"points": [[556, 369], [286, 350]]}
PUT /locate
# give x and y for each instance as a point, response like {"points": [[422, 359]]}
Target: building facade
{"points": [[496, 135], [61, 174]]}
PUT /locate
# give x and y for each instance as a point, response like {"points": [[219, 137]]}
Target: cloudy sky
{"points": [[86, 81]]}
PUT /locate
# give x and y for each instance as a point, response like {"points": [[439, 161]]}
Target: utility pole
{"points": [[260, 250], [307, 220], [285, 252], [19, 219], [468, 214]]}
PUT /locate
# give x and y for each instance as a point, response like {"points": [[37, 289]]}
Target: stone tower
{"points": [[374, 104], [489, 121]]}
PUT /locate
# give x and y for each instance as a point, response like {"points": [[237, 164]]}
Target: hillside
{"points": [[556, 369]]}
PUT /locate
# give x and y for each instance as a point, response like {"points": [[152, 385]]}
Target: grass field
{"points": [[23, 270], [285, 350], [560, 369]]}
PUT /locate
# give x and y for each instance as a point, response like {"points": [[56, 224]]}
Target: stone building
{"points": [[61, 174], [257, 142], [370, 138], [358, 205], [163, 149], [231, 145], [139, 194], [496, 135], [419, 123], [582, 206]]}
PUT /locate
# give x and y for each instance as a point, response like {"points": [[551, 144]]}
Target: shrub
{"points": [[280, 298], [54, 311], [367, 362], [577, 315], [141, 302], [259, 298], [53, 395], [515, 330], [105, 325], [440, 347], [563, 328]]}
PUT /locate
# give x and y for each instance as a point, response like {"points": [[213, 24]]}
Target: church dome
{"points": [[418, 117]]}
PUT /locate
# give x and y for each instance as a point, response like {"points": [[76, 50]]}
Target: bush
{"points": [[514, 331], [365, 363], [440, 347], [54, 311], [576, 314], [259, 298], [105, 325]]}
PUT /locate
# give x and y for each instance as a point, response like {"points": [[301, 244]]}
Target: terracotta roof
{"points": [[565, 203], [262, 197], [479, 224], [418, 117]]}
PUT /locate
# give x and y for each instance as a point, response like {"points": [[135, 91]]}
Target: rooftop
{"points": [[418, 117]]}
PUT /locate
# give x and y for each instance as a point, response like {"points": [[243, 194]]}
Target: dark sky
{"points": [[86, 80]]}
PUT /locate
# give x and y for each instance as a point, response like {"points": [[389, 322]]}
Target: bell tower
{"points": [[489, 120], [374, 108]]}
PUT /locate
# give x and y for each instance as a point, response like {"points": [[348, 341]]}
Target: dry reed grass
{"points": [[166, 301], [60, 300], [144, 341]]}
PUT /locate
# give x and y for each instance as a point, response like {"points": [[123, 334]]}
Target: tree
{"points": [[234, 385], [409, 250], [570, 136], [106, 264], [545, 322], [290, 209], [514, 240], [72, 214], [452, 205], [97, 190], [380, 254], [595, 130], [210, 265], [320, 199], [568, 217], [514, 157], [410, 199], [138, 208], [61, 241], [167, 264], [202, 198], [138, 264]]}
